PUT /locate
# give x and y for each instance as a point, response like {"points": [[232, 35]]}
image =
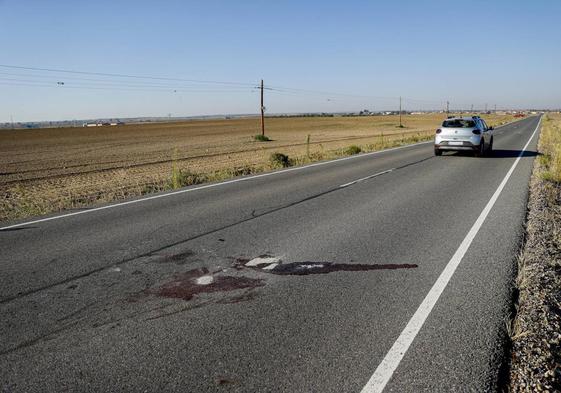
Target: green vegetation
{"points": [[352, 150], [279, 160], [262, 138], [183, 178]]}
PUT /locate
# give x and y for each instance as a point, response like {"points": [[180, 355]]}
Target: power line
{"points": [[110, 84], [109, 81], [138, 89], [124, 75], [326, 93], [61, 75], [280, 89]]}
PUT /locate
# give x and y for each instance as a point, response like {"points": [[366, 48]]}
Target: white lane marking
{"points": [[365, 178], [271, 266], [387, 367], [262, 261], [210, 186], [213, 185], [205, 280]]}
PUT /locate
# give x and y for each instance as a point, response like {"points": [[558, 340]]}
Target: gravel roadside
{"points": [[536, 329]]}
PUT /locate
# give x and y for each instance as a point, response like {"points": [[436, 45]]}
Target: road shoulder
{"points": [[536, 329]]}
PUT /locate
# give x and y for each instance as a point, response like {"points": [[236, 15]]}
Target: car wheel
{"points": [[480, 152], [437, 152]]}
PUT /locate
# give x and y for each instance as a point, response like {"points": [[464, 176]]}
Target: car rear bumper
{"points": [[465, 145]]}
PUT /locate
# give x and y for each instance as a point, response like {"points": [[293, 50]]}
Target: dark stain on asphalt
{"points": [[178, 259], [239, 263], [225, 381], [184, 285], [248, 295], [306, 268]]}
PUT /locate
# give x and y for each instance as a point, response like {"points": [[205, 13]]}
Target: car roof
{"points": [[463, 118]]}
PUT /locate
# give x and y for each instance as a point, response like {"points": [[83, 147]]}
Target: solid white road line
{"points": [[209, 186], [387, 367], [365, 178]]}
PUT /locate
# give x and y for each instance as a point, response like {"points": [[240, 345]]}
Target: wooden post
{"points": [[262, 111]]}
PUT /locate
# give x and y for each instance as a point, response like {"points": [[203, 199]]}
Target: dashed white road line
{"points": [[389, 364], [365, 178]]}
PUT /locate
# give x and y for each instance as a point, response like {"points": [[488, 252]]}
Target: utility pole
{"points": [[471, 108], [495, 108], [262, 111], [485, 107], [400, 125], [12, 121], [447, 107]]}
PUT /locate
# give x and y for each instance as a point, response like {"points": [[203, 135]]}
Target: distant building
{"points": [[101, 124]]}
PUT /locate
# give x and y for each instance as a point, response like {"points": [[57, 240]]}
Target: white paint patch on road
{"points": [[318, 266], [389, 364], [205, 280], [271, 266], [366, 178], [262, 261]]}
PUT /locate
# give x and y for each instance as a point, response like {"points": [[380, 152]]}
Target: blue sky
{"points": [[358, 54]]}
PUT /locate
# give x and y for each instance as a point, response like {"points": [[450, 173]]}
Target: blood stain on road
{"points": [[305, 268], [276, 266], [189, 284]]}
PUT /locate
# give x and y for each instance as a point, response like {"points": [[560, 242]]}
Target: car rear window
{"points": [[458, 123]]}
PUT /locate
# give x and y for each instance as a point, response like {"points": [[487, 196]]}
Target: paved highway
{"points": [[390, 271]]}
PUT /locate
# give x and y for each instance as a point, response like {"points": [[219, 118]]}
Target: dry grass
{"points": [[43, 171], [551, 148], [536, 330]]}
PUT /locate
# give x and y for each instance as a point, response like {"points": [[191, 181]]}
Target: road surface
{"points": [[166, 293]]}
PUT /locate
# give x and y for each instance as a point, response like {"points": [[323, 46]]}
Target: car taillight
{"points": [[476, 132], [438, 131]]}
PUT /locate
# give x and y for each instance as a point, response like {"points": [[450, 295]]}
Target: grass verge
{"points": [[536, 329]]}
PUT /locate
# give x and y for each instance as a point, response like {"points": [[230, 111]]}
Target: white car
{"points": [[464, 133]]}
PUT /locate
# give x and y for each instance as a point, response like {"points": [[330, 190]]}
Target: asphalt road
{"points": [[108, 300]]}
